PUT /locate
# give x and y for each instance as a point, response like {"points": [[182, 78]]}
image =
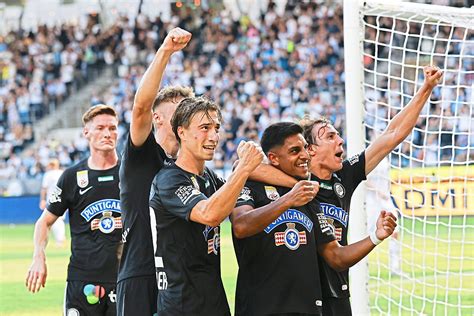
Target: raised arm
{"points": [[247, 221], [341, 258], [403, 123], [215, 209], [141, 123], [37, 273]]}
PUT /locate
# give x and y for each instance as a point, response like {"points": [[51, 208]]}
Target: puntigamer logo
{"points": [[101, 206]]}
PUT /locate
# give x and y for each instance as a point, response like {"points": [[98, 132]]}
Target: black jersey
{"points": [[335, 198], [92, 198], [188, 253], [139, 166], [278, 267]]}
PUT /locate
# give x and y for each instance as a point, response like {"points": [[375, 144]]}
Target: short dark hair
{"points": [[308, 125], [276, 134], [98, 110], [172, 93], [188, 108]]}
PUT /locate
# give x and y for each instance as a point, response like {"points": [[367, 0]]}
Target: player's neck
{"points": [[102, 160], [321, 173], [189, 163], [168, 145]]}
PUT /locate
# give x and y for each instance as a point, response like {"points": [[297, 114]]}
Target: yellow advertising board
{"points": [[434, 191]]}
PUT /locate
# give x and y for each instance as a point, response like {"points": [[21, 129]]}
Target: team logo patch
{"points": [[101, 206], [291, 216], [93, 293], [245, 194], [55, 195], [272, 193], [214, 243], [337, 231], [186, 192], [339, 189], [82, 178], [291, 237], [107, 223], [72, 312], [334, 212], [354, 159]]}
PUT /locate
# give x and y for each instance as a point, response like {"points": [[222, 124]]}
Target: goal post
{"points": [[429, 269]]}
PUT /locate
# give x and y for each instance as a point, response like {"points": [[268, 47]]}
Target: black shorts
{"points": [[137, 296], [89, 298], [337, 306]]}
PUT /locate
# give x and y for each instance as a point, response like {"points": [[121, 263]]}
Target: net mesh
{"points": [[429, 268]]}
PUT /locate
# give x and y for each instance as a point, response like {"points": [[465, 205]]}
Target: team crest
{"points": [[82, 178], [291, 237], [272, 193], [339, 189], [337, 231], [214, 243], [107, 223]]}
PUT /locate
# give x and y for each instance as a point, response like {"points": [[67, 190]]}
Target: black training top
{"points": [[188, 253], [92, 198], [139, 167], [278, 267], [335, 198]]}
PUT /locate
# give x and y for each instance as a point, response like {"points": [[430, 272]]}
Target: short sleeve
{"points": [[176, 193], [353, 171], [57, 202]]}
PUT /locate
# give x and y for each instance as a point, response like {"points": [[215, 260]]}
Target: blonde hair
{"points": [[98, 110]]}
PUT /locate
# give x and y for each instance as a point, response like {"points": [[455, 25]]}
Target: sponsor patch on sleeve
{"points": [[186, 192]]}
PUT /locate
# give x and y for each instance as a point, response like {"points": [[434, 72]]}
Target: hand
{"points": [[433, 76], [176, 40], [303, 192], [42, 204], [386, 224], [36, 277], [250, 155]]}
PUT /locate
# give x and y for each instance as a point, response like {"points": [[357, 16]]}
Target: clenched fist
{"points": [[250, 155], [433, 76], [386, 224], [303, 192], [176, 40]]}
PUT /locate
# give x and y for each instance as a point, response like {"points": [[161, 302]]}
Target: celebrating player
{"points": [[89, 190], [144, 155], [190, 202], [338, 179], [276, 231]]}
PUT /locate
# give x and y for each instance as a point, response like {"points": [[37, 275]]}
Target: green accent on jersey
{"points": [[105, 178]]}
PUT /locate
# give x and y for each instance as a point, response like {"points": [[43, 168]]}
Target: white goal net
{"points": [[429, 178]]}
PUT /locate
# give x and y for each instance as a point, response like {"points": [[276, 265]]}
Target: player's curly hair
{"points": [[188, 108], [98, 110], [172, 94]]}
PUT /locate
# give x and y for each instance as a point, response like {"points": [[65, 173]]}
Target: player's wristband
{"points": [[374, 239]]}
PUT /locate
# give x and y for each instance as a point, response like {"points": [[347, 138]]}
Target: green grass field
{"points": [[386, 290]]}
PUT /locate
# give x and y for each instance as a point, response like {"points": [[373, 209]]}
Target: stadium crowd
{"points": [[277, 68]]}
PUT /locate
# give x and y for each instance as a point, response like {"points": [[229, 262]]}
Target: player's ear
{"points": [[311, 149], [85, 131], [273, 159], [157, 118], [181, 133]]}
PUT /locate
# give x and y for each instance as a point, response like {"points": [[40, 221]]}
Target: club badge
{"points": [[339, 189], [107, 223], [272, 193], [291, 237], [82, 178], [214, 243]]}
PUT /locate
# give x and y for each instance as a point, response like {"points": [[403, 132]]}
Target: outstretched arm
{"points": [[141, 123], [341, 258], [403, 123], [37, 273]]}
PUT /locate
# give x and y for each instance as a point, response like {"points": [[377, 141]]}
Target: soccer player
{"points": [[144, 155], [338, 180], [90, 191], [277, 229], [48, 184], [190, 202]]}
